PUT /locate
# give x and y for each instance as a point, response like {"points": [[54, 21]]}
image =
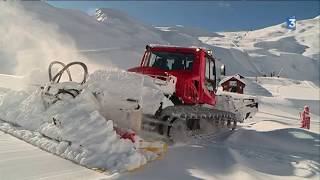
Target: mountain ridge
{"points": [[119, 41]]}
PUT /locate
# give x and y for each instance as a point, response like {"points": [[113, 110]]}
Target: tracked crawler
{"points": [[188, 78]]}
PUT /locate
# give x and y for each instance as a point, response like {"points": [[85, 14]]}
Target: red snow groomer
{"points": [[192, 72]]}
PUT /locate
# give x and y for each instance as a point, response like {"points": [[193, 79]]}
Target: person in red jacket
{"points": [[305, 118]]}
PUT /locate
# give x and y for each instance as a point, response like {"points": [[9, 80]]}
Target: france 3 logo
{"points": [[291, 23]]}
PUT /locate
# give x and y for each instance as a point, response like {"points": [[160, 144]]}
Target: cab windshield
{"points": [[169, 60]]}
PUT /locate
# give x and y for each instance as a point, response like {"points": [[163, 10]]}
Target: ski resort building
{"points": [[233, 84]]}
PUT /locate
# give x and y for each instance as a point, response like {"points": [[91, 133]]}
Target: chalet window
{"points": [[233, 83]]}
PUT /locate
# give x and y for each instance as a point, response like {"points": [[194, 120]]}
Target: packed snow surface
{"points": [[21, 160], [270, 145]]}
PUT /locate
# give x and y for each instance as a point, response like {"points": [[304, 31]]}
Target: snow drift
{"points": [[77, 128]]}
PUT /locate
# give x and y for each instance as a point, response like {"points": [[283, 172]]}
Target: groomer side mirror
{"points": [[223, 70]]}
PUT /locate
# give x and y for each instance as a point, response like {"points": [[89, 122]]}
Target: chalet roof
{"points": [[239, 75], [230, 77]]}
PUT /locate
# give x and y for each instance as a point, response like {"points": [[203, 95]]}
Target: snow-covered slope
{"points": [[275, 39], [20, 160], [293, 54], [269, 146], [44, 33], [111, 38]]}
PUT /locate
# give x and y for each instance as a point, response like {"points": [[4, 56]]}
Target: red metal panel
{"points": [[185, 86]]}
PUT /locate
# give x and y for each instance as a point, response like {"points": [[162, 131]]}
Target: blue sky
{"points": [[208, 15]]}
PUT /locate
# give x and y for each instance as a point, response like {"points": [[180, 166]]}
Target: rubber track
{"points": [[183, 113], [197, 112]]}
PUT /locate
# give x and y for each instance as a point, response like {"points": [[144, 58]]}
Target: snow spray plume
{"points": [[27, 43]]}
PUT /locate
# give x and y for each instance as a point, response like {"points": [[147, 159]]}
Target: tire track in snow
{"points": [[268, 155]]}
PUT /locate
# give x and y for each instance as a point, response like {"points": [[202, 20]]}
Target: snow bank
{"points": [[74, 128], [74, 125], [276, 148], [295, 140], [125, 85], [120, 92]]}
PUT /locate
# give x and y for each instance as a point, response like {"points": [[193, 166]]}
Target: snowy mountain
{"points": [[293, 54], [111, 38], [304, 40], [83, 128]]}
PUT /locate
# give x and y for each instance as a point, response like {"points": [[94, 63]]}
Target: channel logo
{"points": [[291, 23]]}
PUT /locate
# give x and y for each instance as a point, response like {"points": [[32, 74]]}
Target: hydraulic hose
{"points": [[57, 77], [63, 65]]}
